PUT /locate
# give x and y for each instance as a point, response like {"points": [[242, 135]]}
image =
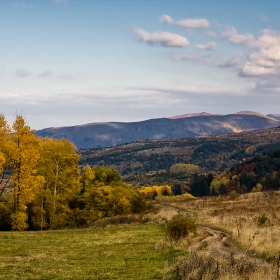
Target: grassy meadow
{"points": [[141, 251], [119, 252]]}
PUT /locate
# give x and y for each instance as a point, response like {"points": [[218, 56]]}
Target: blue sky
{"points": [[69, 62]]}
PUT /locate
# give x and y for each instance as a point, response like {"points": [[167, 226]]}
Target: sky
{"points": [[72, 62]]}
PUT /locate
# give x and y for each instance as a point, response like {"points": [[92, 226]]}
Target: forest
{"points": [[42, 186], [212, 153]]}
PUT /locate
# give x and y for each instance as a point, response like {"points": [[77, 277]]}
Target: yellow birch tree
{"points": [[58, 165], [23, 156]]}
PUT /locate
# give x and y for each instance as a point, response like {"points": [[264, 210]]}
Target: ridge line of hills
{"points": [[106, 134]]}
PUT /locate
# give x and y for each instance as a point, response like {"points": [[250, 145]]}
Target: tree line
{"points": [[42, 187]]}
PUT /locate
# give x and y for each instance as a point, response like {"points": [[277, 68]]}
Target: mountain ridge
{"points": [[105, 134]]}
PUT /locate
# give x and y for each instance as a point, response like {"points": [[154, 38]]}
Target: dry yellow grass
{"points": [[203, 266], [242, 218]]}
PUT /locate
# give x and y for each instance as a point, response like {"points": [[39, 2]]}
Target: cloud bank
{"points": [[187, 23], [266, 59], [159, 38]]}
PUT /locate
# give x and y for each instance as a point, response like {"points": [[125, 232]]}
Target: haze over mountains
{"points": [[97, 135]]}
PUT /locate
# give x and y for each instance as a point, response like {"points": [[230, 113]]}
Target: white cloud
{"points": [[193, 23], [208, 46], [239, 39], [268, 38], [266, 57], [266, 60], [159, 38], [21, 73], [187, 23], [166, 19], [252, 70]]}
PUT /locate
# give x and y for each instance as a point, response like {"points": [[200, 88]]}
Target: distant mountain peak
{"points": [[202, 114], [250, 113]]}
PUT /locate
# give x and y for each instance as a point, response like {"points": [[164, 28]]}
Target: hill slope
{"points": [[114, 133], [212, 153]]}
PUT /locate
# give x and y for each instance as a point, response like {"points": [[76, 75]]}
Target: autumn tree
{"points": [[23, 156], [104, 194], [185, 168], [58, 165], [150, 192]]}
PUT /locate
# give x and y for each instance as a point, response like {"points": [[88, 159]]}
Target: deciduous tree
{"points": [[23, 156], [58, 164]]}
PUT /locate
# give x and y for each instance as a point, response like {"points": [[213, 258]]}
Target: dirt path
{"points": [[217, 243], [214, 241]]}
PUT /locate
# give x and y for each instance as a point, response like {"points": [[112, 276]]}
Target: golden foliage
{"points": [[250, 150], [153, 191], [46, 188], [184, 168]]}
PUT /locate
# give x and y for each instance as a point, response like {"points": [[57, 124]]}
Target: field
{"points": [[238, 238], [120, 252]]}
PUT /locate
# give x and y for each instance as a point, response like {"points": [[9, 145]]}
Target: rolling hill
{"points": [[97, 135], [212, 153]]}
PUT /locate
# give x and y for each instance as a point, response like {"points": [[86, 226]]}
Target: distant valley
{"points": [[98, 135]]}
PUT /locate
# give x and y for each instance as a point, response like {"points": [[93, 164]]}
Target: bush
{"points": [[262, 220], [179, 227]]}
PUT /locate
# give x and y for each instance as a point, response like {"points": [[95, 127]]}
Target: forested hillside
{"points": [[211, 153], [262, 173]]}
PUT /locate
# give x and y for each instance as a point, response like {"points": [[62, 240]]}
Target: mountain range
{"points": [[106, 134]]}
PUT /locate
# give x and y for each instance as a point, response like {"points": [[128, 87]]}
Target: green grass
{"points": [[124, 252]]}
